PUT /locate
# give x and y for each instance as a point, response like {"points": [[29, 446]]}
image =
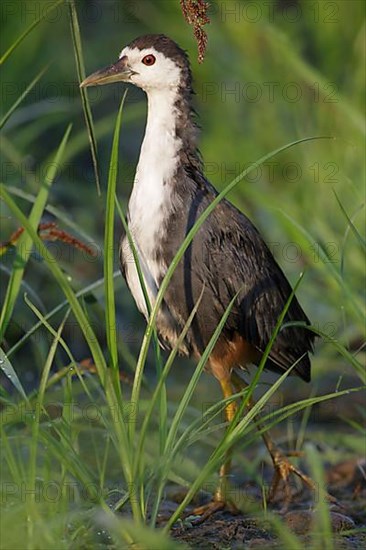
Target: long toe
{"points": [[202, 513], [283, 470]]}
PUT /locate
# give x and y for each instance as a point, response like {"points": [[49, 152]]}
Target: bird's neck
{"points": [[168, 150], [171, 134]]}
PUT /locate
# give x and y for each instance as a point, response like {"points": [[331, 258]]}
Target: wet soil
{"points": [[249, 528]]}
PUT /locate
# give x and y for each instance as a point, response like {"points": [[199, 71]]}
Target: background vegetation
{"points": [[274, 72]]}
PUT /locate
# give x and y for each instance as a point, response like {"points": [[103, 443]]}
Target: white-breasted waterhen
{"points": [[227, 255]]}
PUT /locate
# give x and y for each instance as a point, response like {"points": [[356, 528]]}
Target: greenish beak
{"points": [[117, 72]]}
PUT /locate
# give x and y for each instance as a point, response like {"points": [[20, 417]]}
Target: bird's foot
{"points": [[217, 504], [283, 470]]}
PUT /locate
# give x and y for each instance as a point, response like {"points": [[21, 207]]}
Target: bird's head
{"points": [[151, 62]]}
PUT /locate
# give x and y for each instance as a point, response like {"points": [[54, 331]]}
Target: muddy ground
{"points": [[226, 530]]}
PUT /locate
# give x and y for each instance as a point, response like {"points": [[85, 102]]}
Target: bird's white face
{"points": [[150, 69], [151, 62]]}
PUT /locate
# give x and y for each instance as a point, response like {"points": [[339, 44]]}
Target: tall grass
{"points": [[88, 458]]}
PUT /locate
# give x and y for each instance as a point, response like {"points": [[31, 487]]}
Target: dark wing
{"points": [[229, 255], [238, 259]]}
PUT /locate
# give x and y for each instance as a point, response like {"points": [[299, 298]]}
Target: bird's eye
{"points": [[149, 60]]}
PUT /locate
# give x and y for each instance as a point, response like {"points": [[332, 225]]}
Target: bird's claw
{"points": [[283, 469], [202, 513]]}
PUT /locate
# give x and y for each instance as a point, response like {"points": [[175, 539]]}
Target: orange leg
{"points": [[282, 466], [219, 500]]}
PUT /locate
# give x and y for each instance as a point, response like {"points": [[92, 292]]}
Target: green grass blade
{"points": [[135, 256], [15, 470], [162, 379], [141, 537], [139, 372], [10, 373], [85, 291], [287, 537], [40, 399], [110, 313], [259, 370], [275, 417], [51, 330], [322, 534], [62, 449], [18, 101], [102, 128], [196, 375], [76, 40], [336, 275], [148, 416], [23, 249], [28, 30], [361, 241], [338, 346]]}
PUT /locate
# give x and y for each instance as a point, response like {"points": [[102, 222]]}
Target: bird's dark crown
{"points": [[163, 44]]}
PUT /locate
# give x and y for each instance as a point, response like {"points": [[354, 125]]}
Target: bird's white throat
{"points": [[150, 202]]}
